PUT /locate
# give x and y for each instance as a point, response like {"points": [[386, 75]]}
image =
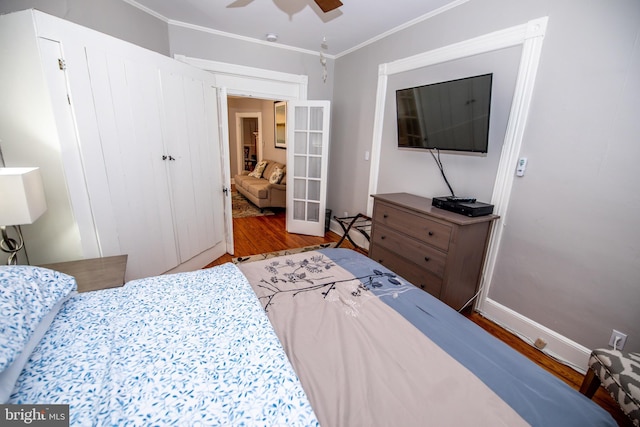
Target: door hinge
{"points": [[68, 99], [61, 64], [225, 190]]}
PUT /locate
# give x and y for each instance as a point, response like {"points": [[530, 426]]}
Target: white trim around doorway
{"points": [[240, 80], [240, 139]]}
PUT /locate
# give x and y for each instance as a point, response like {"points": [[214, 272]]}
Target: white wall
{"points": [[570, 255]]}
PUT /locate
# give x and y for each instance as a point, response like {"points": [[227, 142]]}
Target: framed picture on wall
{"points": [[280, 124]]}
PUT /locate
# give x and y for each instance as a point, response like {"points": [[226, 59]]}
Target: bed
{"points": [[186, 349], [326, 337]]}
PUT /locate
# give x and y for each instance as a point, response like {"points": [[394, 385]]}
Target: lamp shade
{"points": [[22, 198]]}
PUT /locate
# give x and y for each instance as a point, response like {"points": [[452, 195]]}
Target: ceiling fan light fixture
{"points": [[271, 37]]}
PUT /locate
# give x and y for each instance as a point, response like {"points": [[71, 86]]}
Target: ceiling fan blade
{"points": [[239, 3], [328, 5]]}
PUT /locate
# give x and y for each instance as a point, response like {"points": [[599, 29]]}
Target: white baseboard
{"points": [[198, 261], [558, 346]]}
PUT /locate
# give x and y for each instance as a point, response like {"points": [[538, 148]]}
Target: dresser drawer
{"points": [[420, 227], [419, 253], [420, 277]]}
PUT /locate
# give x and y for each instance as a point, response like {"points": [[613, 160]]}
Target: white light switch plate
{"points": [[522, 165]]}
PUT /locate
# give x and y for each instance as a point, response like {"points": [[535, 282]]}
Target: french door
{"points": [[307, 165]]}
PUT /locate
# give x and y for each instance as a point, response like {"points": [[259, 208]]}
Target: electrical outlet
{"points": [[617, 335]]}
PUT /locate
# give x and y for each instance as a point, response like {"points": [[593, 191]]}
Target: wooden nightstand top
{"points": [[95, 273]]}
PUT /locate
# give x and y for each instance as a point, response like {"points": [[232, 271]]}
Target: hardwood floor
{"points": [[257, 235], [564, 372]]}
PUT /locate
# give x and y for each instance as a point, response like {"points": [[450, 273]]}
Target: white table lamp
{"points": [[22, 202]]}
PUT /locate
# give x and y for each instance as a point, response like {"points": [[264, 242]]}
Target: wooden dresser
{"points": [[439, 251]]}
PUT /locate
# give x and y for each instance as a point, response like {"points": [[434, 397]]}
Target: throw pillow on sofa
{"points": [[276, 176], [257, 171]]}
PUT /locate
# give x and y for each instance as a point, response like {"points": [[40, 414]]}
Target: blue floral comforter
{"points": [[185, 349]]}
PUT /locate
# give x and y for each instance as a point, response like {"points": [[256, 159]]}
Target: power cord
{"points": [[10, 245], [470, 299], [441, 167]]}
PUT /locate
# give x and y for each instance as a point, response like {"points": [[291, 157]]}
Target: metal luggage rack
{"points": [[359, 222]]}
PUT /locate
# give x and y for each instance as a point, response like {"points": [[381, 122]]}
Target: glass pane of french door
{"points": [[308, 157]]}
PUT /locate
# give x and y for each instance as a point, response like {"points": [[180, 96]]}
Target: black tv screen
{"points": [[451, 115]]}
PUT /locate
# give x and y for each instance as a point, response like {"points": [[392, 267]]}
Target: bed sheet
{"points": [[184, 349], [379, 351]]}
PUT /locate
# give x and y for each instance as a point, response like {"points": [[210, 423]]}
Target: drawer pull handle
{"points": [[431, 233], [385, 216], [383, 237], [427, 258]]}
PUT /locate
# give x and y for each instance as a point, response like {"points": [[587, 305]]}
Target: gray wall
{"points": [[199, 44], [570, 256], [113, 17], [469, 174]]}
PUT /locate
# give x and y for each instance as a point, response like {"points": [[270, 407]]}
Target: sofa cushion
{"points": [[259, 189], [270, 168], [244, 180], [247, 181]]}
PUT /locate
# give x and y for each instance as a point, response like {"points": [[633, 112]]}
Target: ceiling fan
{"points": [[328, 5], [325, 5]]}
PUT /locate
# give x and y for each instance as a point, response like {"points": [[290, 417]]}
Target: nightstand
{"points": [[95, 273]]}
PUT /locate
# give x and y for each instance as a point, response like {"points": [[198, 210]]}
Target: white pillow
{"points": [[30, 297], [259, 169], [276, 176]]}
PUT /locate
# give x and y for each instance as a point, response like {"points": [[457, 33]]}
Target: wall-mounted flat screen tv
{"points": [[451, 115]]}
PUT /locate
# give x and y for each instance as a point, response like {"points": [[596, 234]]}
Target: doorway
{"points": [[242, 81], [249, 141]]}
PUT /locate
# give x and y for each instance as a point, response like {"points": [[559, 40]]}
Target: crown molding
{"points": [[204, 29]]}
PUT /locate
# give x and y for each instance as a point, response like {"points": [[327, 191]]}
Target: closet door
{"points": [[193, 162], [128, 103]]}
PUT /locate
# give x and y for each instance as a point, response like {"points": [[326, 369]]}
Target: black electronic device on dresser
{"points": [[464, 206]]}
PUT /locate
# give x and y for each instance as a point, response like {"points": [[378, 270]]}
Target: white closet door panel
{"points": [[205, 173], [195, 178], [127, 100], [212, 177], [68, 206], [178, 147]]}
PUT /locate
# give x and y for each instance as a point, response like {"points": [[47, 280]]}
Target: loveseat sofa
{"points": [[265, 186]]}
